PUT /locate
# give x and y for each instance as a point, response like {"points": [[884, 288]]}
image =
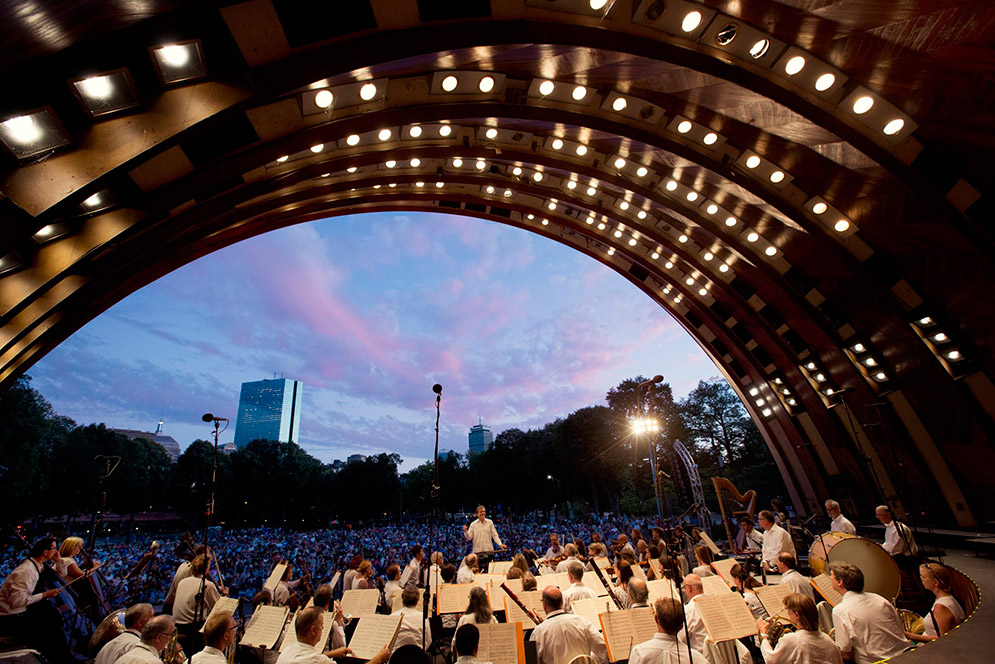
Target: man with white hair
{"points": [[135, 619], [156, 635], [576, 590], [840, 523]]}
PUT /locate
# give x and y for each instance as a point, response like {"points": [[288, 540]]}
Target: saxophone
{"points": [[778, 627]]}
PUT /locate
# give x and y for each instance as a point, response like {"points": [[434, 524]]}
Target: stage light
{"points": [[457, 163], [368, 91], [390, 163], [619, 104], [546, 88], [323, 98], [32, 134], [353, 139], [491, 133], [710, 138], [317, 148], [486, 84], [384, 134], [671, 185], [620, 163], [691, 21], [794, 65], [180, 62], [684, 127], [285, 157], [445, 130], [730, 221], [894, 126], [579, 92], [642, 171], [557, 144], [841, 226], [415, 163], [819, 207], [862, 105], [753, 161], [106, 93], [415, 131], [825, 82]]}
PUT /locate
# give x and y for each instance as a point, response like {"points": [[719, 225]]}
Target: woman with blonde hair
{"points": [[807, 645], [71, 546], [364, 576], [947, 612], [519, 561]]}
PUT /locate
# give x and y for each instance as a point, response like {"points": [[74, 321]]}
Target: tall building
{"points": [[269, 409], [480, 438]]}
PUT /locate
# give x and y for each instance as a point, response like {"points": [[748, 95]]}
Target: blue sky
{"points": [[369, 311]]}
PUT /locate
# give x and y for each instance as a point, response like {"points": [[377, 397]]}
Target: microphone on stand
{"points": [[208, 417], [655, 379]]}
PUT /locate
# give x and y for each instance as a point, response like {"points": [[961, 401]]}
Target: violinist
{"points": [[554, 547], [468, 570], [23, 614], [364, 576], [283, 591], [571, 556]]}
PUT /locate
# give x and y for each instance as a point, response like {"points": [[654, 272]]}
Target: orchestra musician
{"points": [[748, 538], [466, 642], [183, 570], [281, 596], [867, 626], [840, 523], [807, 645], [411, 576], [623, 572], [323, 600], [696, 631], [393, 584], [704, 557], [306, 650], [791, 577], [24, 610], [468, 570], [219, 634], [664, 647], [554, 547], [482, 534], [562, 636], [898, 540], [576, 590], [478, 611], [188, 612], [747, 585], [413, 626], [135, 619], [571, 557], [777, 540], [67, 552], [946, 612], [156, 635], [364, 576], [639, 594], [350, 572]]}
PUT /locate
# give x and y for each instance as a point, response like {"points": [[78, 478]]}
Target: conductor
{"points": [[483, 535]]}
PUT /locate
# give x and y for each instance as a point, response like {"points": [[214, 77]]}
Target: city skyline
{"points": [[369, 312]]}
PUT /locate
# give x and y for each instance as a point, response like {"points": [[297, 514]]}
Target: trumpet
{"points": [[346, 618]]}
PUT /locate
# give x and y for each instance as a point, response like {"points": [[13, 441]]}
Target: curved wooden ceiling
{"points": [[828, 333]]}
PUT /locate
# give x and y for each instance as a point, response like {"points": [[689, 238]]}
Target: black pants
{"points": [[39, 628]]}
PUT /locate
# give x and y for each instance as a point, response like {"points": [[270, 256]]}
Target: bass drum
{"points": [[881, 575], [823, 544]]}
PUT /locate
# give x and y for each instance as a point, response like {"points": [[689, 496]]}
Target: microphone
{"points": [[208, 417], [437, 388], [655, 379]]}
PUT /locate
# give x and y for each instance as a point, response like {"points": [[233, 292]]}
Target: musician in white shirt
{"points": [[840, 523], [305, 650], [791, 577], [867, 626], [135, 619], [411, 576], [467, 571], [156, 635], [25, 613], [807, 645], [664, 647], [554, 547], [749, 538], [413, 622], [576, 589], [562, 636], [776, 540], [219, 634], [695, 625], [482, 533], [466, 642], [898, 540], [571, 552]]}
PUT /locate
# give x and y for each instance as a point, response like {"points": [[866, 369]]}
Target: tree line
{"points": [[587, 461]]}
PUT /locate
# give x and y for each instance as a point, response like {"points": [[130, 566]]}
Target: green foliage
{"points": [[589, 460]]}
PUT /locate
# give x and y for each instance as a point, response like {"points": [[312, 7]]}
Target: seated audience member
{"points": [[946, 612], [562, 636], [807, 645], [867, 625], [664, 648]]}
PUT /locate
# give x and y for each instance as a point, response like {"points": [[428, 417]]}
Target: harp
{"points": [[733, 504]]}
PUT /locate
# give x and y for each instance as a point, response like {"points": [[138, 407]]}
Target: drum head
{"points": [[822, 543], [881, 574]]}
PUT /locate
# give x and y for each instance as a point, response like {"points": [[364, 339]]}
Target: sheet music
{"points": [[724, 569], [591, 608], [531, 599], [374, 633], [726, 616], [602, 562], [713, 585], [326, 631], [492, 584], [497, 567], [638, 573], [265, 627], [592, 581], [514, 585], [709, 543], [656, 567], [396, 603], [660, 588], [824, 585], [335, 580], [624, 629], [772, 598], [360, 602], [454, 597], [275, 577], [501, 643], [224, 605], [561, 581]]}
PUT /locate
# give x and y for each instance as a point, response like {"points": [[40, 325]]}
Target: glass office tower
{"points": [[269, 409]]}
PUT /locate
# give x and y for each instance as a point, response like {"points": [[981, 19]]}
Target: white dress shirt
{"points": [[302, 653], [282, 595], [411, 574], [576, 591], [347, 578], [209, 655], [18, 589], [483, 535], [562, 636], [389, 589], [841, 524], [183, 571], [777, 540], [411, 628], [553, 553], [141, 653], [465, 574], [696, 627], [798, 583], [802, 647], [868, 624], [562, 565], [185, 606], [117, 646], [664, 649], [898, 540]]}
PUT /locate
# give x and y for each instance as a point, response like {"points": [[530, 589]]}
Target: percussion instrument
{"points": [[822, 544], [881, 573]]}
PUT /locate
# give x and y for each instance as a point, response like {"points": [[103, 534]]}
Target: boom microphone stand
{"points": [[437, 388], [208, 417]]}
